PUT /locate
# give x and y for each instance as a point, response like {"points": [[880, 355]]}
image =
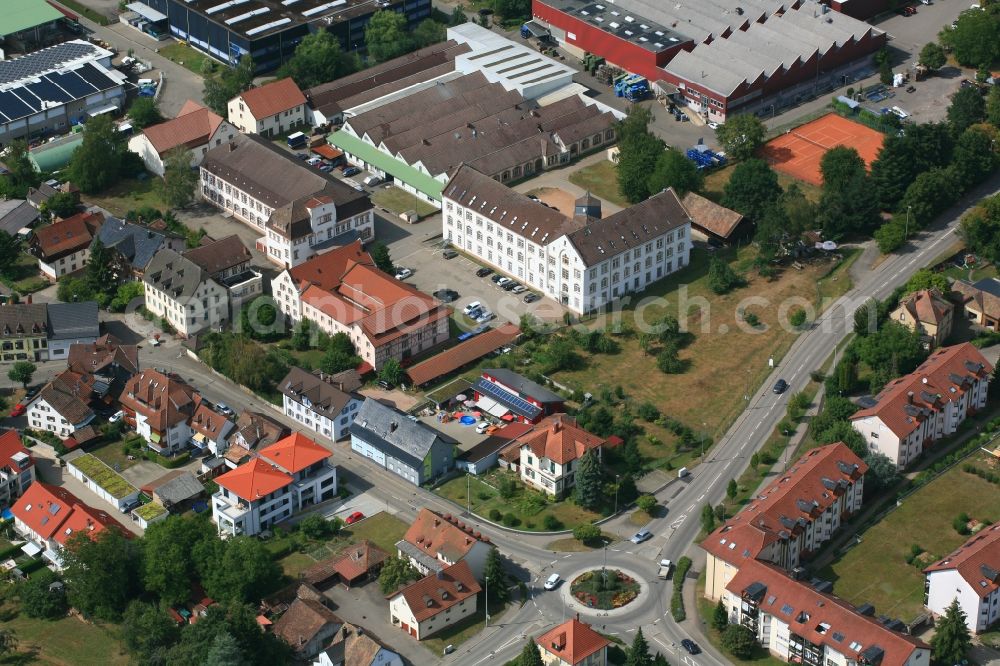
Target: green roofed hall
{"points": [[103, 476], [21, 15], [400, 171]]}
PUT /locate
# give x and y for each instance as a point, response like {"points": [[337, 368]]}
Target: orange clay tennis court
{"points": [[798, 152]]}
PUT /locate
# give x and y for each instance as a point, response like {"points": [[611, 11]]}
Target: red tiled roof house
{"points": [[17, 467], [63, 247], [573, 643], [435, 601], [551, 452], [435, 542], [928, 313], [270, 110], [284, 477], [970, 574], [911, 412], [160, 407], [195, 128]]}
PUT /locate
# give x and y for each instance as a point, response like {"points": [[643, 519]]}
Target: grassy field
{"points": [[601, 180], [525, 505], [129, 194], [186, 56], [382, 529], [875, 570], [80, 8], [399, 201], [715, 183], [66, 642], [725, 359], [113, 455], [460, 632]]}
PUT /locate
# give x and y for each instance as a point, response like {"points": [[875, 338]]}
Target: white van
{"points": [[372, 181]]}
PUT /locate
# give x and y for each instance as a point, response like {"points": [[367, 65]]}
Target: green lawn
{"points": [[112, 454], [66, 642], [399, 201], [187, 56], [527, 506], [129, 194], [24, 276], [715, 184], [571, 545], [382, 529], [601, 180], [875, 571], [462, 631]]}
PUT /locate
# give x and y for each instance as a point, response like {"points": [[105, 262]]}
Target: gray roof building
{"points": [[223, 256], [39, 195], [135, 243], [174, 487], [391, 432], [175, 275], [73, 321], [17, 214], [523, 385], [326, 395], [23, 319]]}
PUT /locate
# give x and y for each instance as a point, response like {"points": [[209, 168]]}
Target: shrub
{"points": [[961, 524], [484, 495], [586, 532], [552, 523], [646, 503], [510, 520], [797, 318], [495, 515], [648, 412], [751, 319], [677, 600]]}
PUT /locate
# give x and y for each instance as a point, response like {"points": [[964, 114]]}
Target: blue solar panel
{"points": [[520, 405], [12, 107], [45, 90], [72, 84], [94, 76]]}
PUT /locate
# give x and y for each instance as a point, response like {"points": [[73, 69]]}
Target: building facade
{"points": [[573, 643], [17, 467], [270, 110], [970, 575], [159, 407], [927, 313], [63, 247], [323, 403], [551, 453], [183, 293], [195, 128], [24, 334], [435, 602], [914, 411], [434, 542], [584, 262]]}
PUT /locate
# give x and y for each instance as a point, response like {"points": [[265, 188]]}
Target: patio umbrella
{"points": [[470, 403], [461, 397]]}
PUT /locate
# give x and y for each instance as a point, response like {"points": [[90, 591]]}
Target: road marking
{"points": [[701, 497], [680, 521], [691, 508]]}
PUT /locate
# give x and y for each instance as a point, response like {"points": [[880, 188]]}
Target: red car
{"points": [[907, 11], [354, 517], [18, 410]]}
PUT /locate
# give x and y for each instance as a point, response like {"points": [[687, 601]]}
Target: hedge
{"points": [[169, 463], [677, 600], [9, 552], [33, 565]]}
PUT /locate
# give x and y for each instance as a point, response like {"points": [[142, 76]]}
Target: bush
{"points": [[646, 503], [961, 524], [648, 412], [586, 532], [495, 515], [484, 495], [797, 318], [677, 600], [552, 523], [751, 319], [510, 520]]}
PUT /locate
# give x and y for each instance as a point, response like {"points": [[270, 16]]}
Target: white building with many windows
{"points": [[971, 574], [911, 412], [292, 473], [321, 402], [300, 211], [583, 262], [184, 294]]}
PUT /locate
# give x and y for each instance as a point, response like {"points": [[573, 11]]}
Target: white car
{"points": [[484, 317], [116, 417], [714, 125], [519, 289], [502, 281], [472, 307], [553, 582], [481, 428], [403, 273], [902, 115], [155, 342], [666, 564]]}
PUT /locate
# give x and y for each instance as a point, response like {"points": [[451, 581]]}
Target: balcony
{"points": [[226, 507]]}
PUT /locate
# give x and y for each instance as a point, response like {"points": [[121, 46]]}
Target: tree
{"points": [[585, 532], [638, 652], [179, 180], [101, 268], [98, 161], [755, 460], [530, 656], [227, 83], [319, 58], [660, 660], [144, 112], [301, 336], [22, 371], [891, 351], [707, 518], [927, 196], [458, 17], [380, 255], [225, 651], [721, 277], [147, 630], [720, 618], [238, 569], [741, 135], [732, 489], [41, 596], [494, 573], [951, 641], [927, 279], [752, 187], [513, 9], [10, 250], [975, 40], [933, 56], [980, 229], [882, 473], [169, 568], [993, 106], [102, 574], [391, 372], [646, 503], [588, 481], [340, 355], [975, 156], [673, 169], [428, 32], [967, 108], [21, 172], [739, 641], [848, 203], [61, 204], [396, 572], [639, 151], [386, 36], [903, 157]]}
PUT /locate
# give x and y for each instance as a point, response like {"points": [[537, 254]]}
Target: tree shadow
{"points": [[22, 657]]}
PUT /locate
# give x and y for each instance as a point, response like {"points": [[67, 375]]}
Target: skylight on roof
{"points": [[786, 609], [839, 637], [771, 599], [856, 646]]}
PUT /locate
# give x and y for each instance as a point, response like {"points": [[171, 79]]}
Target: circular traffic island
{"points": [[604, 589]]}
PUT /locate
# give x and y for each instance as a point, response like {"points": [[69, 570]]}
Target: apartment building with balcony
{"points": [[321, 402], [17, 467], [800, 624], [970, 575], [790, 519], [300, 211], [227, 261], [585, 261], [912, 412], [342, 291], [551, 452], [159, 407], [183, 293], [285, 477]]}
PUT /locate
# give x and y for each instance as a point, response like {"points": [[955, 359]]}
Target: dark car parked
{"points": [[446, 295], [483, 272], [690, 646], [449, 254]]}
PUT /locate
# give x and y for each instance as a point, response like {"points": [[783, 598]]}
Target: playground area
{"points": [[799, 151]]}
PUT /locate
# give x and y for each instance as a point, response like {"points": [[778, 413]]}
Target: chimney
{"points": [[393, 426], [909, 397], [436, 522], [924, 380], [556, 426]]}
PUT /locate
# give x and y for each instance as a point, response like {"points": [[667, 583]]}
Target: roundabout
{"points": [[604, 589]]}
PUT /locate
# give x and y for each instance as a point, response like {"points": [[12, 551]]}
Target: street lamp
{"points": [[468, 492], [704, 427], [906, 229], [486, 580], [617, 476]]}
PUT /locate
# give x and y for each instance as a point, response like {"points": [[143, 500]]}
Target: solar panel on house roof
{"points": [[12, 107], [520, 405], [71, 83], [40, 61], [48, 91], [95, 77]]}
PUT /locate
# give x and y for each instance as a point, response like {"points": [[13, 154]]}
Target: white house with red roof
{"points": [[285, 477], [17, 467], [342, 291], [971, 575], [791, 518], [160, 406], [911, 412], [434, 602], [801, 625], [551, 452], [195, 128], [434, 542], [573, 643], [269, 110], [47, 516]]}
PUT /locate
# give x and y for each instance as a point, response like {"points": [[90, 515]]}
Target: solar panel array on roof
{"points": [[52, 89], [40, 61], [515, 403]]}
